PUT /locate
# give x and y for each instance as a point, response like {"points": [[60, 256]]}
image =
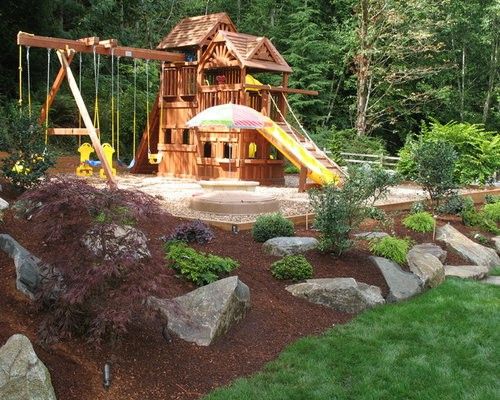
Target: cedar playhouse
{"points": [[218, 67]]}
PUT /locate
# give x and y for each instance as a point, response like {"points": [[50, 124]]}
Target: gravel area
{"points": [[174, 194]]}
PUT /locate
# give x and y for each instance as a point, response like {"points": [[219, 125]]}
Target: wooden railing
{"points": [[386, 162]]}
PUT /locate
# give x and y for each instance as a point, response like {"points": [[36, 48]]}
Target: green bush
{"points": [[392, 248], [478, 151], [295, 268], [197, 267], [270, 226], [28, 159], [420, 222], [291, 169], [435, 162], [491, 198], [455, 205], [483, 219], [417, 207], [492, 211], [339, 211]]}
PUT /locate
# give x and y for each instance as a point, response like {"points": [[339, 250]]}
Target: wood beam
{"points": [[86, 119], [104, 47], [69, 131]]}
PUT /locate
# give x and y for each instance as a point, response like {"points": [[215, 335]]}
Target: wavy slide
{"points": [[298, 155]]}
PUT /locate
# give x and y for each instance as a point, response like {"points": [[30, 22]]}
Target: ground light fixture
{"points": [[106, 376], [234, 229]]}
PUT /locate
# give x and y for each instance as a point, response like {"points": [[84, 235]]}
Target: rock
{"points": [[117, 240], [466, 271], [3, 204], [284, 246], [426, 266], [341, 294], [433, 249], [28, 267], [402, 285], [25, 208], [206, 313], [496, 241], [468, 249], [22, 375], [493, 280], [370, 235]]}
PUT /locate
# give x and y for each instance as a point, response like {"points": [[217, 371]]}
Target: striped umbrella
{"points": [[230, 116]]}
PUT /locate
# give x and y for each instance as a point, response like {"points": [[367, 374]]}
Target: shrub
{"points": [[482, 219], [435, 163], [28, 159], [193, 231], [96, 297], [492, 212], [291, 169], [455, 205], [478, 151], [392, 248], [295, 268], [417, 207], [339, 211], [491, 198], [420, 222], [197, 267], [272, 225]]}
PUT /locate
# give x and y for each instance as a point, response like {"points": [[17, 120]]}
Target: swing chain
{"points": [[47, 100], [29, 79]]}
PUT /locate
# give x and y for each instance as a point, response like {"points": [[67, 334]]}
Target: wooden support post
{"points": [[86, 118], [302, 179]]}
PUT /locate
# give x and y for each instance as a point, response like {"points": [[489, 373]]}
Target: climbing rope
{"points": [[29, 79]]}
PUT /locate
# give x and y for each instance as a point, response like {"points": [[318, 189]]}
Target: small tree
{"points": [[435, 166], [28, 159], [340, 210]]}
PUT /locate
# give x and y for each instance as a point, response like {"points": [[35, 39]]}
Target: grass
{"points": [[441, 345], [495, 271]]}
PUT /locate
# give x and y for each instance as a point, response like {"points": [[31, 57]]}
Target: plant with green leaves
{"points": [[197, 267], [390, 247], [269, 226], [455, 205], [294, 267], [420, 222], [28, 159], [338, 211]]}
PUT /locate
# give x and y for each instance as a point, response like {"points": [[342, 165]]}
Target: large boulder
{"points": [[22, 375], [402, 284], [432, 248], [341, 294], [206, 313], [496, 242], [469, 250], [466, 271], [29, 269], [3, 204], [284, 246], [116, 241], [426, 266]]}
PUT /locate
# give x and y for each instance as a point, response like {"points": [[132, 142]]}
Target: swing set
{"points": [[65, 50]]}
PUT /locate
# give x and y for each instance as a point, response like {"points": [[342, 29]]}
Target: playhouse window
{"points": [[168, 136], [207, 149], [228, 150], [185, 136]]}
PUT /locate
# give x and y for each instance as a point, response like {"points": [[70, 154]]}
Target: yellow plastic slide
{"points": [[298, 154]]}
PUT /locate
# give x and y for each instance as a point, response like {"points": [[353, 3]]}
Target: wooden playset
{"points": [[204, 62]]}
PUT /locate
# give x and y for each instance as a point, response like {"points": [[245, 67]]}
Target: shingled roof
{"points": [[254, 51], [194, 31]]}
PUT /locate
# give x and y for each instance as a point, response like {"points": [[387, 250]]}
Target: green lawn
{"points": [[442, 345], [495, 271]]}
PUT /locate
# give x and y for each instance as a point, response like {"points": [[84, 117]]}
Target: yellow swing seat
{"points": [[108, 151], [84, 169], [155, 158]]}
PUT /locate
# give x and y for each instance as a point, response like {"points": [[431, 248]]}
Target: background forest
{"points": [[382, 67]]}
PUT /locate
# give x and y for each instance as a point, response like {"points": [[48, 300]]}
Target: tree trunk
{"points": [[462, 86], [362, 71], [491, 79]]}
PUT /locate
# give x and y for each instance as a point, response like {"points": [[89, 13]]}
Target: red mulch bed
{"points": [[144, 365]]}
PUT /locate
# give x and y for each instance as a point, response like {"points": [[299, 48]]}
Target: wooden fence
{"points": [[386, 162]]}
